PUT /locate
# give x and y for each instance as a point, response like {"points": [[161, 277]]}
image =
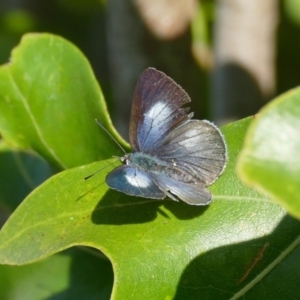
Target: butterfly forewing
{"points": [[155, 110]]}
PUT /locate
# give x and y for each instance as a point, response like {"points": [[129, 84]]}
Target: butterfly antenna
{"points": [[98, 122], [86, 178], [110, 136]]}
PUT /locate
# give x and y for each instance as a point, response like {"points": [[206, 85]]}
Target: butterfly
{"points": [[173, 155]]}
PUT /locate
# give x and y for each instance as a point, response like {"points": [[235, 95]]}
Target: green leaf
{"points": [[270, 159], [22, 170], [49, 99], [59, 277], [240, 245], [292, 10], [201, 47]]}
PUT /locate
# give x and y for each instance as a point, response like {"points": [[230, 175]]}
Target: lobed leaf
{"points": [[240, 245]]}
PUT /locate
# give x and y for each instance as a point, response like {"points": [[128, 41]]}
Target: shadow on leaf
{"points": [[223, 272], [118, 209]]}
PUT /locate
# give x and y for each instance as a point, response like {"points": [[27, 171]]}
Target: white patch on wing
{"points": [[141, 180], [159, 111], [192, 133]]}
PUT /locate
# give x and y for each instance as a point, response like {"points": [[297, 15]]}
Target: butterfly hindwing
{"points": [[156, 110], [131, 181], [196, 147], [191, 193]]}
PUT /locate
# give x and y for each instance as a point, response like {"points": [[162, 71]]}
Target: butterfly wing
{"points": [[133, 182], [193, 194], [156, 110], [196, 147]]}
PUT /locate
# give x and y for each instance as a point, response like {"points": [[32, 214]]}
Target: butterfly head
{"points": [[126, 159]]}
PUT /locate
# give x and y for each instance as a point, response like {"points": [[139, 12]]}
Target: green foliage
{"points": [[242, 245], [49, 102], [292, 8], [270, 160], [72, 274], [20, 173]]}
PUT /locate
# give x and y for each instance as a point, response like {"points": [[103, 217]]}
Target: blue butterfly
{"points": [[173, 155]]}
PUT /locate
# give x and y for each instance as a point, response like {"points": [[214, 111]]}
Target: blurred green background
{"points": [[121, 38]]}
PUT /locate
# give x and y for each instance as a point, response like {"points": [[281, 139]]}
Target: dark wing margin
{"points": [[156, 110], [133, 182], [198, 148]]}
